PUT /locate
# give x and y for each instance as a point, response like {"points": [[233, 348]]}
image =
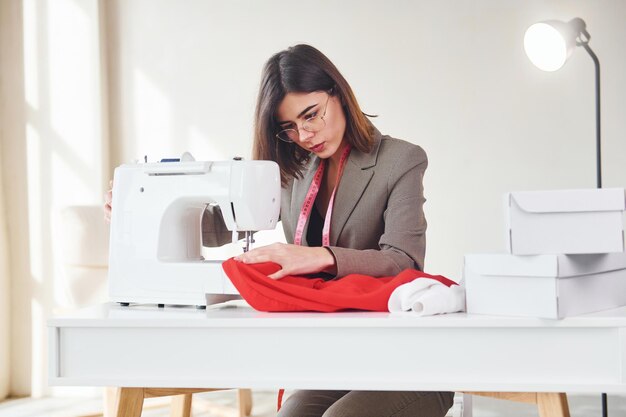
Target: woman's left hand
{"points": [[294, 259]]}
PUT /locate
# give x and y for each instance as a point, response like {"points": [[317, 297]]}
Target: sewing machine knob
{"points": [[187, 157], [238, 158]]}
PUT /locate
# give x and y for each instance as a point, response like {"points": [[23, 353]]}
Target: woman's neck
{"points": [[333, 160]]}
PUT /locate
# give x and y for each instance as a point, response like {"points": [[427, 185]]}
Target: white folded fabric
{"points": [[427, 297]]}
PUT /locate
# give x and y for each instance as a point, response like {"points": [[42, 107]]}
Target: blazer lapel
{"points": [[356, 176]]}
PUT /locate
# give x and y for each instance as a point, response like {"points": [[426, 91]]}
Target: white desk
{"points": [[145, 346]]}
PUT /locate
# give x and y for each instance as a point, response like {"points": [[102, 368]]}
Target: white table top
{"points": [[114, 315]]}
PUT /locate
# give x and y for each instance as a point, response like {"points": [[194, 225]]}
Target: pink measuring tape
{"points": [[305, 212], [309, 200]]}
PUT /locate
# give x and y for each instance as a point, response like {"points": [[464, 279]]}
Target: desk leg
{"points": [[552, 404], [244, 398], [130, 402], [181, 406]]}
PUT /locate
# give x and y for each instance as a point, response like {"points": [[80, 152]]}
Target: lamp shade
{"points": [[549, 44]]}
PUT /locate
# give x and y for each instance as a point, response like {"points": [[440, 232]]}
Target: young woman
{"points": [[352, 202]]}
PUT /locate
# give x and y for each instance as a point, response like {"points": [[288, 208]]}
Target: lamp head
{"points": [[549, 44]]}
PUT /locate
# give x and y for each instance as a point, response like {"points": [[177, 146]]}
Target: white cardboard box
{"points": [[565, 221], [547, 286]]}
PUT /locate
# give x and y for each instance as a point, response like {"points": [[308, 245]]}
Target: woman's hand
{"points": [[294, 259], [108, 201]]}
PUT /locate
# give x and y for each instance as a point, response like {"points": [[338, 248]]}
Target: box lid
{"points": [[544, 265], [553, 201]]}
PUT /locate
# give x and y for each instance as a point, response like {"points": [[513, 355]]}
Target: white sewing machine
{"points": [[156, 239]]}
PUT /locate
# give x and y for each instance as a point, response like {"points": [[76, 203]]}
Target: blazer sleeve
{"points": [[403, 242]]}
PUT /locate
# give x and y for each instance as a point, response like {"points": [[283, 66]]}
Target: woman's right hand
{"points": [[108, 202]]}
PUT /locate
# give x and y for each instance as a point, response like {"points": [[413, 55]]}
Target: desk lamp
{"points": [[549, 44]]}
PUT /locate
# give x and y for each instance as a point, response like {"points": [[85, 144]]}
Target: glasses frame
{"points": [[304, 123]]}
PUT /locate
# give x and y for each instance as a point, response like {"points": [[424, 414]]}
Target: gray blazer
{"points": [[378, 225]]}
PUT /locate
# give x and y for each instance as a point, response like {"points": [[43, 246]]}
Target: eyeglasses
{"points": [[312, 124]]}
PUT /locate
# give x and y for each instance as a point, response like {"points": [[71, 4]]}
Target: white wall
{"points": [[53, 155], [12, 137], [5, 287], [448, 75], [5, 329]]}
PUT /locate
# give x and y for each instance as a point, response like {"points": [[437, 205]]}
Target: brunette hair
{"points": [[302, 69]]}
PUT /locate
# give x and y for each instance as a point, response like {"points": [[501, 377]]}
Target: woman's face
{"points": [[297, 108]]}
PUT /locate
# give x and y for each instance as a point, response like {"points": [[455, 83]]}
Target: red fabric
{"points": [[279, 400], [294, 293]]}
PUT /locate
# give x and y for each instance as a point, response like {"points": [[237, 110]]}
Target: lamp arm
{"points": [[598, 145]]}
